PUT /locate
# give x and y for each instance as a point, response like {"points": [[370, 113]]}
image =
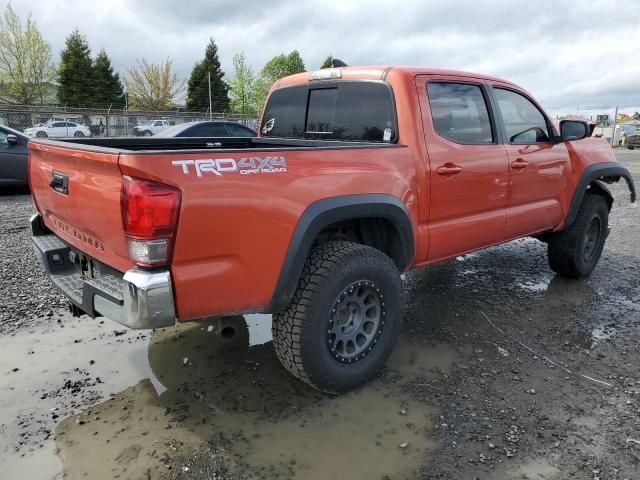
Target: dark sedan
{"points": [[207, 129], [13, 158], [633, 140]]}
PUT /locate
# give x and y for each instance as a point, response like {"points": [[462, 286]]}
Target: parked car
{"points": [[58, 129], [13, 158], [633, 139], [151, 128], [358, 175], [213, 128]]}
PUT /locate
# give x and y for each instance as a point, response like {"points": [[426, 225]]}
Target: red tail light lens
{"points": [[150, 218]]}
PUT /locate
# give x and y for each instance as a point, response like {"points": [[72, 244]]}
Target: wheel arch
{"points": [[592, 181], [331, 211]]}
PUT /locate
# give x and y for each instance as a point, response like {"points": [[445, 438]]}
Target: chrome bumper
{"points": [[138, 299]]}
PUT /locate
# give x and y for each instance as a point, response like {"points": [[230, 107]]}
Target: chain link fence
{"points": [[106, 122]]}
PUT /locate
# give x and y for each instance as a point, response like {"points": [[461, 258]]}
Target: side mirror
{"points": [[574, 130], [12, 139]]}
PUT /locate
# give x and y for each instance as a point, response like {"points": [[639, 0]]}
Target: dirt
{"points": [[503, 371]]}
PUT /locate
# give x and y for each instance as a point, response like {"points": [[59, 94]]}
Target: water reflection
{"points": [[224, 396]]}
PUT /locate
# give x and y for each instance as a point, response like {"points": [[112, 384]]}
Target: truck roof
{"points": [[380, 72]]}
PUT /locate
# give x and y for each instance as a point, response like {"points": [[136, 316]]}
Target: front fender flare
{"points": [[592, 173]]}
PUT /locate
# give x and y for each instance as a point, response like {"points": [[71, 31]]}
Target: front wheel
{"points": [[575, 252], [78, 134], [147, 133], [41, 134], [344, 318]]}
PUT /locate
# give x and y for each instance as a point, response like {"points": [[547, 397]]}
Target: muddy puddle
{"points": [[91, 400]]}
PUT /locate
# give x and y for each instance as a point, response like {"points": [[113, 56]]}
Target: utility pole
{"points": [[210, 103], [613, 132]]}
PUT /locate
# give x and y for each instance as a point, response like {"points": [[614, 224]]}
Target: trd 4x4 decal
{"points": [[219, 166]]}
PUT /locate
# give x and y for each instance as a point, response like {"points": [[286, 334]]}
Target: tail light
{"points": [[150, 218]]}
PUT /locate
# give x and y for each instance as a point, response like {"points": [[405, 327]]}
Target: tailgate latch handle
{"points": [[60, 183]]}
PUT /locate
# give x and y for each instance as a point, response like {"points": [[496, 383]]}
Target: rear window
{"points": [[354, 111]]}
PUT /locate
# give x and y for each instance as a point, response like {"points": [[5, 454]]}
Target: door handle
{"points": [[519, 163], [449, 169]]}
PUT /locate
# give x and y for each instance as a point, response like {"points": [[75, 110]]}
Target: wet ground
{"points": [[502, 371]]}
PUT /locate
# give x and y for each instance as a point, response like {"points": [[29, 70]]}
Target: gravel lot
{"points": [[503, 371], [27, 298]]}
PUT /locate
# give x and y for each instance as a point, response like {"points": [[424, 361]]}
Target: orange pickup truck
{"points": [[358, 174]]}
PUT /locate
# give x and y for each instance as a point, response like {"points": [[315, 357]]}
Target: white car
{"points": [[57, 129], [150, 128]]}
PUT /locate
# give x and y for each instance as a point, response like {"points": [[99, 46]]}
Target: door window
{"points": [[59, 125], [3, 138], [523, 122], [460, 113], [239, 131], [208, 130]]}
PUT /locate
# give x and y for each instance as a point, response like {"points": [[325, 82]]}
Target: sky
{"points": [[573, 56]]}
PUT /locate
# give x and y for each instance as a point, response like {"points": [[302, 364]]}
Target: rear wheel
{"points": [[41, 134], [631, 148], [344, 318], [575, 252]]}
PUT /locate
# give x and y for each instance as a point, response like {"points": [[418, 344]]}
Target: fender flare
{"points": [[593, 173], [325, 212]]}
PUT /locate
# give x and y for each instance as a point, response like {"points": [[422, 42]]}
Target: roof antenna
{"points": [[336, 62]]}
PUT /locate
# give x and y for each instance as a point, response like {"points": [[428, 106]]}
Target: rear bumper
{"points": [[138, 298]]}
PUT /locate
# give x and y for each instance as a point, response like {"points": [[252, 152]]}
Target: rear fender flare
{"points": [[591, 175], [326, 212]]}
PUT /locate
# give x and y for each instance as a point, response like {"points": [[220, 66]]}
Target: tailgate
{"points": [[77, 190]]}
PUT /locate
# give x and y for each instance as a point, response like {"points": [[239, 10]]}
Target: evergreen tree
{"points": [[328, 62], [107, 88], [75, 73], [198, 85]]}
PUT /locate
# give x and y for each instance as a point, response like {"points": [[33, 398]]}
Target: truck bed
{"points": [[159, 145]]}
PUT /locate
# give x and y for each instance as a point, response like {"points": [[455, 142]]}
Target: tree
{"points": [[26, 69], [278, 67], [75, 73], [328, 62], [635, 116], [106, 88], [241, 87], [198, 85], [153, 86]]}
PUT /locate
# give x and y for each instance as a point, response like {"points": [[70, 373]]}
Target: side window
{"points": [[523, 122], [236, 130], [71, 125], [3, 138], [59, 124], [209, 130], [459, 112]]}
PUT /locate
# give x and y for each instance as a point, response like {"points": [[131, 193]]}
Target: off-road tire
{"points": [[301, 333], [567, 250]]}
